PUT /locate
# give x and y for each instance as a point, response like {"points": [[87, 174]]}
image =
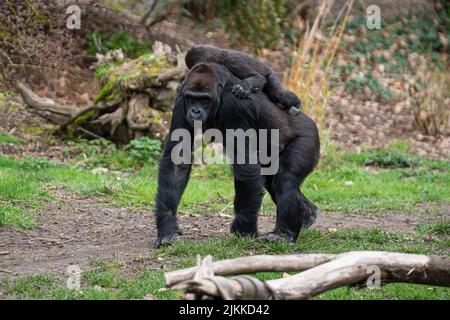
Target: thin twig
{"points": [[89, 133], [149, 12], [7, 57], [7, 271]]}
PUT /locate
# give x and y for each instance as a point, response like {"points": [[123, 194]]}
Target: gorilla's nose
{"points": [[196, 113]]}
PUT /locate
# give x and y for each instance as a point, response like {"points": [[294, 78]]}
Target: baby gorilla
{"points": [[255, 75]]}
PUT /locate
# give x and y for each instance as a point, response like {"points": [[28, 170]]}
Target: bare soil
{"points": [[77, 230]]}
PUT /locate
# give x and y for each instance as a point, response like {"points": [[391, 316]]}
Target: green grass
{"points": [[376, 192], [346, 187], [107, 280], [6, 138], [439, 228], [25, 186], [15, 216]]}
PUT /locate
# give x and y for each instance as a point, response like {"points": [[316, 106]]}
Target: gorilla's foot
{"points": [[294, 111], [277, 236], [166, 239], [310, 218], [310, 215], [244, 226]]}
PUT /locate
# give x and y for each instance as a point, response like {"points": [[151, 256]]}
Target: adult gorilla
{"points": [[206, 96]]}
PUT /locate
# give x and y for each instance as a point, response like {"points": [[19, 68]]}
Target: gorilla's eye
{"points": [[203, 101], [195, 97]]}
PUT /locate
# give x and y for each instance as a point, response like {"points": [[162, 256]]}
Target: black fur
{"points": [[255, 75], [299, 154]]}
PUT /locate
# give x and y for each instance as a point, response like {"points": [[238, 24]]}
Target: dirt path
{"points": [[79, 230]]}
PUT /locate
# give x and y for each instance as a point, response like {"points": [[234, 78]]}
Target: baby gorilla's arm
{"points": [[253, 81]]}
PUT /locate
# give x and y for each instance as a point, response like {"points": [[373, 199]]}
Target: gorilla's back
{"points": [[290, 126]]}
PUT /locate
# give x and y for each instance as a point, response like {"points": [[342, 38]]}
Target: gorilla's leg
{"points": [[294, 210], [310, 212], [279, 95], [248, 198], [310, 209], [172, 180], [290, 208], [268, 184]]}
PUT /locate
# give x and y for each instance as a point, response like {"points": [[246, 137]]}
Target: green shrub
{"points": [[144, 149], [256, 21], [103, 153], [6, 138], [100, 153], [38, 163], [359, 83], [390, 159], [395, 49], [119, 40]]}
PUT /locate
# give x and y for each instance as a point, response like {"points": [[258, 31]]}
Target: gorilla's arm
{"points": [[248, 189], [172, 180], [252, 80], [248, 184]]}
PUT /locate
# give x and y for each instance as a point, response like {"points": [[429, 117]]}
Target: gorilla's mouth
{"points": [[196, 113]]}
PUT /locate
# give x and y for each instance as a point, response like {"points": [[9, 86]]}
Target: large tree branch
{"points": [[354, 267], [344, 269], [260, 263]]}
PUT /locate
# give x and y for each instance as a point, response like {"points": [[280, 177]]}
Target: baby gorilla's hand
{"points": [[241, 90]]}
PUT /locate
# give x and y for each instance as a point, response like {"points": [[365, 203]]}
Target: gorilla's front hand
{"points": [[166, 238]]}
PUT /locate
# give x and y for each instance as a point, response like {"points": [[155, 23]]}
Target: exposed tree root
{"points": [[136, 99]]}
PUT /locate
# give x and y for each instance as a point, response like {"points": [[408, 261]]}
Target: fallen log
{"points": [[344, 269], [355, 267], [252, 264]]}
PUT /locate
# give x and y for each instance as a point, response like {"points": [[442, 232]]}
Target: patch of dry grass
{"points": [[312, 58], [429, 100]]}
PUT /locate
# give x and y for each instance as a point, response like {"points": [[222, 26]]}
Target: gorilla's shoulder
{"points": [[256, 103]]}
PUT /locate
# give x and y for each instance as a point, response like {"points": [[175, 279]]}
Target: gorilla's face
{"points": [[202, 90], [198, 105]]}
